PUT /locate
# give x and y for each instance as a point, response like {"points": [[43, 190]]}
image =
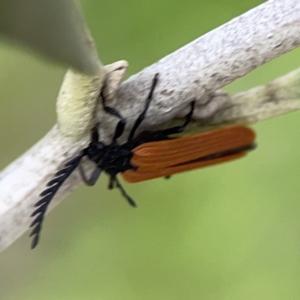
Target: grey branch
{"points": [[195, 71]]}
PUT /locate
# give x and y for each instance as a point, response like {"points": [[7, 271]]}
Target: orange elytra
{"points": [[168, 157]]}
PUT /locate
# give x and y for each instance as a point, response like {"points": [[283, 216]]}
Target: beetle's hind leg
{"points": [[125, 195], [180, 128]]}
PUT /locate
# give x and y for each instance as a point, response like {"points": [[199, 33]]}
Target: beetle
{"points": [[149, 155]]}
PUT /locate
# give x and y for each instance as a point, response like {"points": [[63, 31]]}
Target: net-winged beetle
{"points": [[138, 160]]}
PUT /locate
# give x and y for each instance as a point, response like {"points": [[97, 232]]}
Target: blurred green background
{"points": [[226, 232]]}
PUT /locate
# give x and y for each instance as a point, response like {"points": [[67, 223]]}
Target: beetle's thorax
{"points": [[113, 158]]}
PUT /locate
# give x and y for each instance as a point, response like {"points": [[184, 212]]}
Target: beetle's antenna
{"points": [[141, 117], [48, 195], [127, 197]]}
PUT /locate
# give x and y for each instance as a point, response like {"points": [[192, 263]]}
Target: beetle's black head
{"points": [[95, 151]]}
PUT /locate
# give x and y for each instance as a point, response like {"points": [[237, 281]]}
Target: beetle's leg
{"points": [[95, 134], [121, 124], [48, 194], [93, 178], [111, 183], [141, 117], [96, 173], [125, 195], [178, 129]]}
